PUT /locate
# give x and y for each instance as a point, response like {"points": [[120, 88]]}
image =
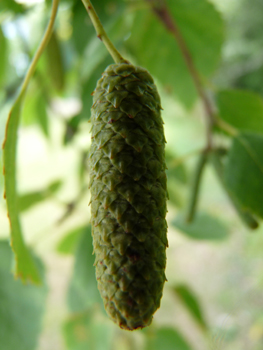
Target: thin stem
{"points": [[41, 47], [196, 186], [162, 12], [101, 34]]}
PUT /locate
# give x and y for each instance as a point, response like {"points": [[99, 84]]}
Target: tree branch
{"points": [[159, 7]]}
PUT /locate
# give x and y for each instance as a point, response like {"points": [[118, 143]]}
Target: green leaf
{"points": [[27, 200], [107, 10], [166, 339], [55, 63], [68, 243], [1, 175], [83, 291], [156, 49], [243, 173], [204, 226], [242, 109], [13, 6], [90, 85], [25, 264], [30, 110], [41, 115], [85, 331], [21, 306], [3, 56], [245, 215], [35, 107], [53, 187], [81, 24], [191, 303], [96, 52], [6, 256]]}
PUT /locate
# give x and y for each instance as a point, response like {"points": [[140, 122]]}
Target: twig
{"points": [[101, 34], [160, 9], [196, 186]]}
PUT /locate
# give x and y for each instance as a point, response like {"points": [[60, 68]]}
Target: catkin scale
{"points": [[128, 194]]}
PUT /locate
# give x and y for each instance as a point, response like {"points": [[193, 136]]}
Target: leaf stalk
{"points": [[101, 34]]}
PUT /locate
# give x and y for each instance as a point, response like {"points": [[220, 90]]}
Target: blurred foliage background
{"points": [[213, 297]]}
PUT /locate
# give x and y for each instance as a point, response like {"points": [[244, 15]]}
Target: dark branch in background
{"points": [[193, 201], [159, 7]]}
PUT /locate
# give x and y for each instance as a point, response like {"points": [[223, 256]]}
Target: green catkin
{"points": [[128, 194]]}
